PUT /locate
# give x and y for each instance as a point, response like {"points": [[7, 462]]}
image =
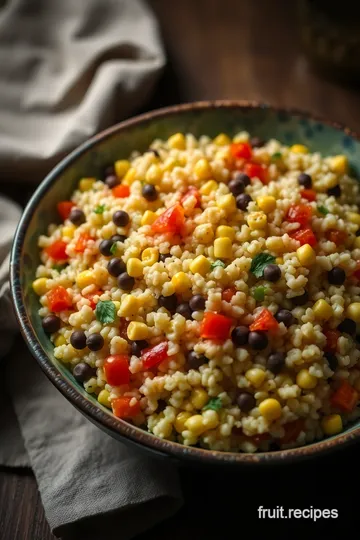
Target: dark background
{"points": [[236, 49]]}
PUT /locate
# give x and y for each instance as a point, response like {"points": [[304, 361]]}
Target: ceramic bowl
{"points": [[89, 159]]}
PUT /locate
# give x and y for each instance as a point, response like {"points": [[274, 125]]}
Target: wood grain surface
{"points": [[222, 49]]}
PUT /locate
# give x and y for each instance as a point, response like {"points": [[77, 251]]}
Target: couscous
{"points": [[208, 290]]}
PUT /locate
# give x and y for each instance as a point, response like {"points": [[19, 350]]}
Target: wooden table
{"points": [[223, 49]]}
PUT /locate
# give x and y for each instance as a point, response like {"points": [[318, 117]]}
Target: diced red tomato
{"points": [[305, 236], [116, 369], [57, 250], [241, 150], [338, 237], [192, 192], [332, 337], [308, 194], [59, 299], [345, 397], [154, 355], [91, 296], [64, 209], [121, 191], [215, 326], [264, 321], [172, 220], [292, 431], [228, 294], [299, 213], [125, 407], [81, 242], [254, 170]]}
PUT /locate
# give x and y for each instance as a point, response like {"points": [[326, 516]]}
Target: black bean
{"points": [[301, 300], [121, 218], [184, 310], [331, 360], [95, 342], [149, 192], [83, 372], [118, 238], [275, 362], [125, 281], [240, 336], [334, 192], [197, 303], [105, 247], [245, 401], [256, 142], [77, 216], [272, 272], [258, 340], [336, 276], [51, 324], [78, 339], [109, 171], [285, 316], [138, 346], [236, 186], [116, 267], [347, 326], [194, 361], [244, 178], [242, 201], [168, 302], [305, 180], [111, 181]]}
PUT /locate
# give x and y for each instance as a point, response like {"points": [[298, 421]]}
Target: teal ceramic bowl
{"points": [[118, 142]]}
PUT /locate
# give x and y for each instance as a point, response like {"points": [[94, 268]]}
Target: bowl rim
{"points": [[117, 427]]}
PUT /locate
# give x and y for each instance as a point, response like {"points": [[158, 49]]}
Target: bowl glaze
{"points": [[209, 118]]}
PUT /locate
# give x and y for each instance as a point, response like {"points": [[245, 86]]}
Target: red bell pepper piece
{"points": [[81, 242], [91, 296], [172, 220], [192, 192], [121, 191], [227, 294], [64, 209], [338, 237], [292, 431], [154, 355], [264, 321], [255, 170], [308, 194], [59, 299], [215, 326], [57, 250], [305, 236], [332, 337], [299, 213], [345, 397], [125, 407], [241, 150], [116, 368]]}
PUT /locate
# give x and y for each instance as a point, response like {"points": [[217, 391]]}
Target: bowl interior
{"points": [[119, 142]]}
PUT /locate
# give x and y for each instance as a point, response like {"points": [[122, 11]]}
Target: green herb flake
{"points": [[259, 293], [217, 263], [322, 209], [113, 248], [213, 404], [100, 209], [259, 262], [59, 267], [276, 156], [105, 312]]}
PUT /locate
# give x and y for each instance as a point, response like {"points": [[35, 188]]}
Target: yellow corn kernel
{"points": [[279, 260], [202, 169], [275, 243], [129, 177], [210, 419], [225, 231], [85, 278], [339, 164], [332, 424], [356, 244], [270, 409], [306, 255], [204, 233], [353, 217], [150, 256], [148, 218], [266, 203], [353, 311], [208, 187], [154, 175], [129, 306], [101, 276], [195, 424], [200, 265], [257, 220], [177, 141], [222, 139], [68, 231], [104, 398], [117, 305], [170, 163], [322, 310], [136, 331], [256, 376], [60, 340], [134, 267], [305, 380], [39, 286], [121, 167], [180, 421], [299, 149], [181, 282], [86, 183], [199, 398], [223, 248], [227, 202]]}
